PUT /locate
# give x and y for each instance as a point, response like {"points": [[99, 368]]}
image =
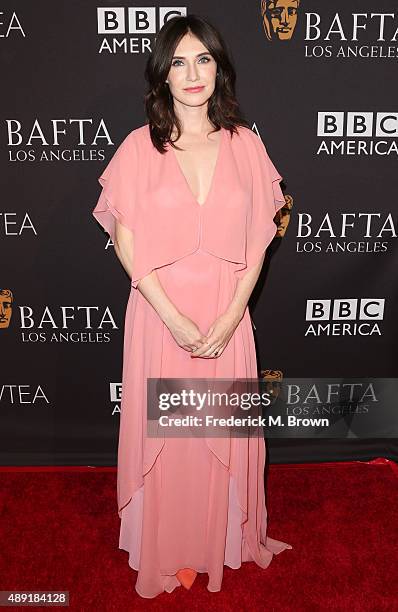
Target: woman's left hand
{"points": [[218, 336]]}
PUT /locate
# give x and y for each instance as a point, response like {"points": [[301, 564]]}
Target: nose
{"points": [[284, 17], [192, 74]]}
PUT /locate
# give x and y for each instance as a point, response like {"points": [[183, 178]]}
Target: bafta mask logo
{"points": [[5, 307], [279, 18], [272, 380], [282, 217]]}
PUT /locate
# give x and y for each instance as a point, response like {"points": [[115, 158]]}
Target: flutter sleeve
{"points": [[267, 199], [118, 196], [130, 195], [122, 199]]}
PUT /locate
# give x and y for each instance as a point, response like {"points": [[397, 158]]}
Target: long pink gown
{"points": [[189, 502]]}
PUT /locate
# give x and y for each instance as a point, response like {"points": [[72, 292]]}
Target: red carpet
{"points": [[59, 531]]}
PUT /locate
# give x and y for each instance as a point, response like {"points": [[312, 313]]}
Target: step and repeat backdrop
{"points": [[317, 83]]}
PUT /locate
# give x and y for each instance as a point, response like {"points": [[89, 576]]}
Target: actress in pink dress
{"points": [[190, 502]]}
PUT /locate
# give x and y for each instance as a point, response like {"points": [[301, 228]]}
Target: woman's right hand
{"points": [[186, 333]]}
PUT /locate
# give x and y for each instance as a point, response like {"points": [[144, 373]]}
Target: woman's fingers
{"points": [[210, 351]]}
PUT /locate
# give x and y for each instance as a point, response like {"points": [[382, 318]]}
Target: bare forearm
{"points": [[125, 258], [153, 292], [124, 247], [244, 290], [149, 286]]}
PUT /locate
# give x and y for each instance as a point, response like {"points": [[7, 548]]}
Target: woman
{"points": [[190, 224]]}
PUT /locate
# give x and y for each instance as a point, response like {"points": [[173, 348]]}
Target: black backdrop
{"points": [[321, 98]]}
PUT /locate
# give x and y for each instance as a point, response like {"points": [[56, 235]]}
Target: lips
{"points": [[194, 89]]}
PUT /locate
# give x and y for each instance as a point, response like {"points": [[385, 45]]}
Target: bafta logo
{"points": [[279, 18], [272, 380], [5, 307], [282, 217]]}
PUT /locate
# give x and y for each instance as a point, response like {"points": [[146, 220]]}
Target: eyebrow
{"points": [[198, 55]]}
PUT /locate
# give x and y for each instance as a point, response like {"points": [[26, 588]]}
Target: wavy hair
{"points": [[222, 109]]}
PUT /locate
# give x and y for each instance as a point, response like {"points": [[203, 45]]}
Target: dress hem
{"points": [[202, 571]]}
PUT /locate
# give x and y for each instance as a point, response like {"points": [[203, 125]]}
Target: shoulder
{"points": [[140, 132], [139, 135], [245, 132], [248, 135], [133, 143], [249, 141]]}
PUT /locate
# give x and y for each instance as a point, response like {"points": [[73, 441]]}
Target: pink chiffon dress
{"points": [[195, 502]]}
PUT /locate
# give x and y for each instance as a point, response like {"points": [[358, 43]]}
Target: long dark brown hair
{"points": [[222, 110]]}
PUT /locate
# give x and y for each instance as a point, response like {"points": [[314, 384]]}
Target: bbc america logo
{"points": [[355, 124], [344, 316], [347, 309], [135, 20]]}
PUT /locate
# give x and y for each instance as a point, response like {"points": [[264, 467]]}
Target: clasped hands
{"points": [[211, 345]]}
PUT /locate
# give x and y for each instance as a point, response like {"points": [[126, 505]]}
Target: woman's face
{"points": [[192, 66]]}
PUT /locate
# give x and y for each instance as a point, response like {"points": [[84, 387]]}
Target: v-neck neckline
{"points": [[215, 171]]}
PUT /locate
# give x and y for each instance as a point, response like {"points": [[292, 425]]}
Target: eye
{"points": [[204, 57]]}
